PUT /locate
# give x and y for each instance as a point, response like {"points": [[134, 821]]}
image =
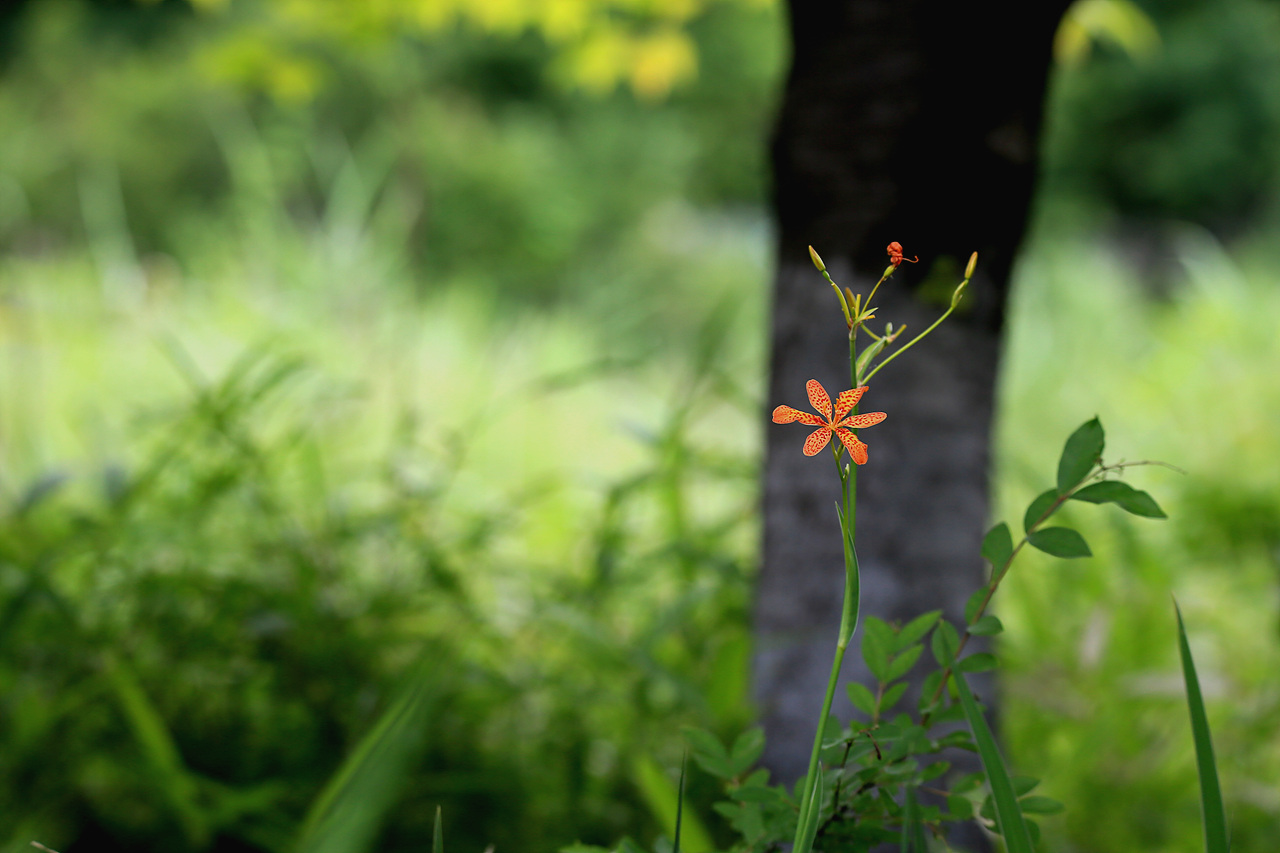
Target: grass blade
{"points": [[684, 762], [346, 814], [437, 835], [158, 748], [1008, 813], [913, 840], [666, 803], [1211, 809]]}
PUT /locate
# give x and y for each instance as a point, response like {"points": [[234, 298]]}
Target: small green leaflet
{"points": [[1082, 451], [1060, 542], [1122, 495]]}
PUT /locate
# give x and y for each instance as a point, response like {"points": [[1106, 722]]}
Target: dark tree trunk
{"points": [[913, 121]]}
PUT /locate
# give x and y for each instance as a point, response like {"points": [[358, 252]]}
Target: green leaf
{"points": [[1211, 809], [684, 762], [746, 750], [709, 752], [997, 545], [1123, 495], [344, 818], [968, 782], [1060, 542], [159, 749], [945, 643], [915, 630], [1037, 509], [980, 662], [876, 643], [902, 663], [1023, 785], [934, 770], [861, 698], [975, 601], [913, 840], [891, 696], [930, 686], [961, 808], [1082, 451], [437, 835], [987, 626], [1040, 805], [1008, 814], [864, 357], [960, 739]]}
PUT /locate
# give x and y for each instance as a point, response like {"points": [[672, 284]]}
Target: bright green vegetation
{"points": [[439, 397]]}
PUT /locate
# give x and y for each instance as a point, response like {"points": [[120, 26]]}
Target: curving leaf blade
{"points": [[1008, 814], [1123, 495], [1211, 808]]}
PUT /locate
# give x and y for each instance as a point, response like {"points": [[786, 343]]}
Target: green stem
{"points": [[811, 779], [848, 621], [910, 343]]}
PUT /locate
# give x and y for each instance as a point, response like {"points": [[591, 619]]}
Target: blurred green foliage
{"points": [[1187, 130], [398, 368]]}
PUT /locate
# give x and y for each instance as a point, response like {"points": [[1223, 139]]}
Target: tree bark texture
{"points": [[913, 121]]}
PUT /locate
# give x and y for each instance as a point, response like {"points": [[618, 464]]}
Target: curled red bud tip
{"points": [[896, 257]]}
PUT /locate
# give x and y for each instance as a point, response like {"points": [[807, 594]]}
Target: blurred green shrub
{"points": [[457, 154], [191, 645], [1189, 130]]}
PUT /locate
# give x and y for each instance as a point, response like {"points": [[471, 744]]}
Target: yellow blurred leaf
{"points": [[662, 61], [1120, 22]]}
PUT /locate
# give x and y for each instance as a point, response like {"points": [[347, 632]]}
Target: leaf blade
{"points": [[1211, 809], [1009, 816], [1082, 451], [1060, 542]]}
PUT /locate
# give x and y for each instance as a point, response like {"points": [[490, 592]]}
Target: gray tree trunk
{"points": [[913, 121]]}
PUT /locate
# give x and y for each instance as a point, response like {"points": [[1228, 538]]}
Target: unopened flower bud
{"points": [[817, 260], [955, 297], [973, 262]]}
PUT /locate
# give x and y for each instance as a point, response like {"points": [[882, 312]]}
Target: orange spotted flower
{"points": [[839, 423]]}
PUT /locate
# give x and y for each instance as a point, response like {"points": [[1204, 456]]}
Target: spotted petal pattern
{"points": [[842, 423], [847, 400], [864, 420], [817, 440], [788, 415], [857, 449], [818, 398]]}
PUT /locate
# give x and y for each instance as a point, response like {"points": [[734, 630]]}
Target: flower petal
{"points": [[817, 440], [818, 398], [788, 415], [857, 449], [866, 419], [847, 400]]}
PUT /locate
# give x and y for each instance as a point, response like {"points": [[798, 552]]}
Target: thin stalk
{"points": [[999, 572], [910, 343], [810, 780], [848, 623]]}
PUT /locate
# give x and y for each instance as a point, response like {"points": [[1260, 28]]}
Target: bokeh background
{"points": [[381, 412]]}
